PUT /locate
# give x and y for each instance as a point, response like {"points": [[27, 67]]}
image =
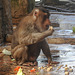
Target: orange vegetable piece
{"points": [[33, 70], [17, 68]]}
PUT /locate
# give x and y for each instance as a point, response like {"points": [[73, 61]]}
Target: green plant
{"points": [[74, 29]]}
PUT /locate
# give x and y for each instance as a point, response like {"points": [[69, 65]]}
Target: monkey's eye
{"points": [[46, 16], [35, 13]]}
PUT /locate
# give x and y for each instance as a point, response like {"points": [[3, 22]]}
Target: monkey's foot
{"points": [[54, 62], [30, 64], [35, 63], [20, 63]]}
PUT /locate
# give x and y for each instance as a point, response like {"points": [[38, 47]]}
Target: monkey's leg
{"points": [[46, 50], [17, 47], [24, 55], [20, 53]]}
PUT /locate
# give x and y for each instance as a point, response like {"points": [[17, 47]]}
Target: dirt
{"points": [[7, 66]]}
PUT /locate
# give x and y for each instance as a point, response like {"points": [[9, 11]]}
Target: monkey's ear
{"points": [[36, 13]]}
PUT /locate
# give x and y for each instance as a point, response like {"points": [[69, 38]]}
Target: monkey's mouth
{"points": [[47, 26]]}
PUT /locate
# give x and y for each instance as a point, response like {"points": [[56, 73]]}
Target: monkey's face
{"points": [[45, 22], [42, 20]]}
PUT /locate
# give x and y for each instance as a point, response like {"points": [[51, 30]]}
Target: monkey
{"points": [[19, 53], [29, 37]]}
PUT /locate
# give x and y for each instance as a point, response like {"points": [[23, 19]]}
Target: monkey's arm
{"points": [[35, 37]]}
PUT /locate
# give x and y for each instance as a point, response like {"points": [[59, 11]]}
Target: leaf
{"points": [[20, 72], [6, 52], [33, 70], [74, 29], [17, 68], [12, 59]]}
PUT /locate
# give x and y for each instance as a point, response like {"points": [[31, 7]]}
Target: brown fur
{"points": [[28, 39]]}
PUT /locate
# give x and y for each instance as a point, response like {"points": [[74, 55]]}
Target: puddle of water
{"points": [[62, 34], [64, 21], [66, 53]]}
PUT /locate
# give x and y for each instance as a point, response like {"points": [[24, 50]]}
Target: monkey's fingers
{"points": [[50, 28]]}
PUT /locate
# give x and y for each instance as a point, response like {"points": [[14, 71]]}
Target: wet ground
{"points": [[65, 20], [62, 53], [62, 46]]}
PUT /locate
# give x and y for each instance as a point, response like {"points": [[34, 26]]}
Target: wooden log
{"points": [[55, 8]]}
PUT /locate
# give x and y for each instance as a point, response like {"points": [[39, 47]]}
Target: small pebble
{"points": [[65, 65], [59, 67], [71, 70], [66, 68], [50, 68], [66, 73], [55, 65], [39, 68], [44, 67]]}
